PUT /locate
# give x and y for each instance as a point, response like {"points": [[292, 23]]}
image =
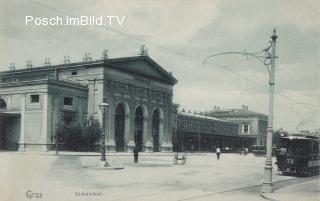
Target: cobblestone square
{"points": [[73, 177]]}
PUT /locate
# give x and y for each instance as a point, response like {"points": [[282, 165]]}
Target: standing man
{"points": [[136, 147], [218, 153]]}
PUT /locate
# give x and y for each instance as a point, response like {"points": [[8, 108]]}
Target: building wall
{"points": [[38, 121], [262, 126], [202, 133], [133, 92], [257, 126], [133, 82]]}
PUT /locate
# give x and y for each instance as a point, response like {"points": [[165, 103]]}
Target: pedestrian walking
{"points": [[246, 150], [243, 151], [218, 153]]}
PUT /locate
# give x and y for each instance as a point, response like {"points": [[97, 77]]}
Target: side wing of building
{"points": [[203, 133]]}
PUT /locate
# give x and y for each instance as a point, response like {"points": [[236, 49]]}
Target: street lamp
{"points": [[104, 108], [268, 59]]}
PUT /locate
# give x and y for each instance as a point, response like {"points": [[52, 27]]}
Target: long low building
{"points": [[203, 133]]}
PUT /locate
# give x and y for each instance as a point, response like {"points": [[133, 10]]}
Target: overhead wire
{"points": [[290, 99]]}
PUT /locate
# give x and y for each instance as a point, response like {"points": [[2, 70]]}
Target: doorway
{"points": [[119, 127], [138, 131]]}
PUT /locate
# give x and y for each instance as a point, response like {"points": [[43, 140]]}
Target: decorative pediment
{"points": [[143, 66]]}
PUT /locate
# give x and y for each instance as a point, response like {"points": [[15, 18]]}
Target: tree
{"points": [[76, 137], [91, 134], [69, 136]]}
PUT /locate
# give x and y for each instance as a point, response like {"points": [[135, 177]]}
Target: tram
{"points": [[298, 155]]}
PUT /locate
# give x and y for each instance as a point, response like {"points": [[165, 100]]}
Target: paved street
{"points": [[73, 177]]}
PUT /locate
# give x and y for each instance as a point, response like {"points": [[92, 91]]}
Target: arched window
{"points": [[3, 104]]}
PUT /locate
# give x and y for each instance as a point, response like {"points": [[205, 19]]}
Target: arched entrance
{"points": [[138, 131], [9, 128], [155, 130], [2, 132], [119, 127]]}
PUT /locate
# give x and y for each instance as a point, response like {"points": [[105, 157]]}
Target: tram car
{"points": [[298, 155]]}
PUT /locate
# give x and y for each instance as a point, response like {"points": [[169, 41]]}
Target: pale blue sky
{"points": [[194, 28]]}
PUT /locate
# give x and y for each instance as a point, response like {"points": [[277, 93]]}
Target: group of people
{"points": [[243, 151]]}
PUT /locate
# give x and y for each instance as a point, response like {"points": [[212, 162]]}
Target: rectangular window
{"points": [[184, 124], [74, 73], [190, 124], [68, 101], [34, 99], [245, 129]]}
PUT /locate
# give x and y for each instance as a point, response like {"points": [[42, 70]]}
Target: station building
{"points": [[203, 133], [35, 100]]}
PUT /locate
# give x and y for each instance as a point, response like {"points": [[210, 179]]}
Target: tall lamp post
{"points": [[267, 186], [104, 108], [268, 59]]}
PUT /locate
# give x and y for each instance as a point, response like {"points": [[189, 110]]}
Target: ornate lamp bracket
{"points": [[264, 56]]}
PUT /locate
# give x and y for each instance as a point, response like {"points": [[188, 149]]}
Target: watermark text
{"points": [[110, 20]]}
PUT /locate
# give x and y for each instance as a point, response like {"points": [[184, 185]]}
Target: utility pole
{"points": [[267, 186], [268, 59]]}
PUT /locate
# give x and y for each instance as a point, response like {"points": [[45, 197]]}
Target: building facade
{"points": [[139, 91], [201, 133], [251, 124], [30, 111]]}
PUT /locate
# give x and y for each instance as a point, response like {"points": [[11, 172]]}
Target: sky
{"points": [[179, 35]]}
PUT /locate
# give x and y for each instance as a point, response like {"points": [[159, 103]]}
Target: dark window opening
{"points": [[2, 103], [68, 101], [69, 117], [34, 98], [246, 128], [74, 73]]}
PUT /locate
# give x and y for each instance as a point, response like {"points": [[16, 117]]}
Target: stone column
{"points": [[161, 137], [126, 131], [44, 130], [91, 101], [22, 126], [131, 144], [166, 143], [145, 132], [56, 115], [110, 118], [148, 136]]}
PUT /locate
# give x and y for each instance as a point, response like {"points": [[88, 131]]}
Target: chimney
{"points": [[143, 51], [244, 107]]}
